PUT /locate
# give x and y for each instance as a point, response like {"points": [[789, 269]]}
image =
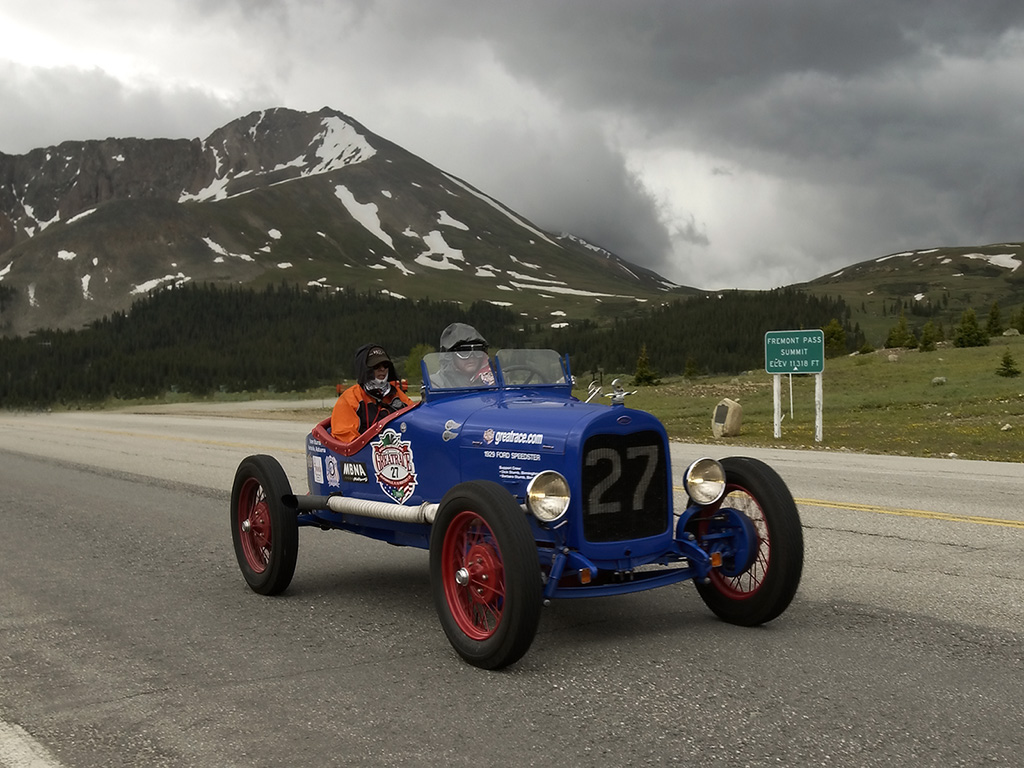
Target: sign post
{"points": [[795, 352]]}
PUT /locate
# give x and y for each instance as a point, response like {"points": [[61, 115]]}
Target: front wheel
{"points": [[484, 574], [264, 531], [760, 587]]}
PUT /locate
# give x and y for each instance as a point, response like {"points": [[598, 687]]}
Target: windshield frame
{"points": [[551, 371]]}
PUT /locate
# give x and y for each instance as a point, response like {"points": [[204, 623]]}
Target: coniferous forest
{"points": [[203, 338]]}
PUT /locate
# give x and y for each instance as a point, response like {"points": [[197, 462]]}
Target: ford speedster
{"points": [[523, 494]]}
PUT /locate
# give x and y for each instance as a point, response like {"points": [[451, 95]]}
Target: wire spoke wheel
{"points": [[264, 532], [254, 525], [751, 579], [485, 574], [764, 524], [473, 576]]}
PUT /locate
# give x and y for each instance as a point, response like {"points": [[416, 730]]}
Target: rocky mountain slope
{"points": [[309, 198]]}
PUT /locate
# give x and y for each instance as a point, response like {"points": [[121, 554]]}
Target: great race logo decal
{"points": [[333, 476], [523, 438], [393, 466]]}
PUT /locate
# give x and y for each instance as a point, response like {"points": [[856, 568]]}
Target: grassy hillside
{"points": [[935, 284], [870, 405]]}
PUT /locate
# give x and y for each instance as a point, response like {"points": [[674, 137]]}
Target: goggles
{"points": [[470, 350]]}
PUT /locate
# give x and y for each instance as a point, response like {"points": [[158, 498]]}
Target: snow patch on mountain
{"points": [[397, 264], [80, 216], [221, 251], [176, 280], [337, 145], [521, 276], [447, 221], [340, 145], [365, 214], [523, 263], [568, 291], [1006, 260], [443, 252]]}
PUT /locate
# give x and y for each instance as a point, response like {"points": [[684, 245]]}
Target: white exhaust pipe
{"points": [[380, 510]]}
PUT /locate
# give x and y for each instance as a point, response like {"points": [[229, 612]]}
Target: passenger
{"points": [[374, 396], [469, 365]]}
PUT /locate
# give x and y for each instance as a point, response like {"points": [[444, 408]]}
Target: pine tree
{"points": [[835, 339], [644, 375], [1008, 366], [928, 337], [994, 326], [969, 333], [900, 335]]}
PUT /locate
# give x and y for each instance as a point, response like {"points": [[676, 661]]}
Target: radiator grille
{"points": [[625, 487]]}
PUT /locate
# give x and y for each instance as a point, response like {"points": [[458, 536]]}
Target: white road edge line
{"points": [[19, 750]]}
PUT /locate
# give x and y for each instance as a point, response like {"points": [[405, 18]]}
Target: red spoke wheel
{"points": [[762, 586], [264, 532], [485, 575]]}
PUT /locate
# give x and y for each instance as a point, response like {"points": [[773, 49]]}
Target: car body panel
{"points": [[507, 434]]}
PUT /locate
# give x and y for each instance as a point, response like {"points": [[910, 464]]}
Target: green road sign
{"points": [[794, 351]]}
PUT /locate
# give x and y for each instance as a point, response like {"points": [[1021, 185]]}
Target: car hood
{"points": [[528, 422]]}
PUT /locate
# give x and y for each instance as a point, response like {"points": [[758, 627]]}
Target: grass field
{"points": [[870, 404]]}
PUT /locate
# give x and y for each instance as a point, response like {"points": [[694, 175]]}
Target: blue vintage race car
{"points": [[523, 493]]}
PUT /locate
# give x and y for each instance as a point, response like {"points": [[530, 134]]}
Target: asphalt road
{"points": [[128, 637]]}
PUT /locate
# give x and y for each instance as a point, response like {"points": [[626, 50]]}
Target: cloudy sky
{"points": [[723, 143]]}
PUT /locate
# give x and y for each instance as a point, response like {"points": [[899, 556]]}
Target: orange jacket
{"points": [[355, 411]]}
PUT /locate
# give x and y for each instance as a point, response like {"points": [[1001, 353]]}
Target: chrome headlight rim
{"points": [[704, 481], [548, 496]]}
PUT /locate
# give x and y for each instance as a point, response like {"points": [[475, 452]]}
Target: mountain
{"points": [[314, 199], [935, 284]]}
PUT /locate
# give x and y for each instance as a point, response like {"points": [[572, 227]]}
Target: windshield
{"points": [[532, 367], [511, 368], [470, 369]]}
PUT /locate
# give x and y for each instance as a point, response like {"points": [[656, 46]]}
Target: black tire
{"points": [[265, 532], [484, 574], [762, 587]]}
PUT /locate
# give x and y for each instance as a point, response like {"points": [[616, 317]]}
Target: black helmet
{"points": [[458, 335]]}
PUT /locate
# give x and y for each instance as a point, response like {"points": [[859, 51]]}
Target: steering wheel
{"points": [[531, 372]]}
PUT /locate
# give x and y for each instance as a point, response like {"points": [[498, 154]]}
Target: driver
{"points": [[375, 395], [468, 365]]}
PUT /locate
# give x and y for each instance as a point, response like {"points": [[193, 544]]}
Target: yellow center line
{"points": [[922, 513], [977, 520]]}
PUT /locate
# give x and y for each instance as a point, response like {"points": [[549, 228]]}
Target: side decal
{"points": [[394, 466]]}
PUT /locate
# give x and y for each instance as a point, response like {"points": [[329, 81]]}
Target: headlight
{"points": [[705, 481], [547, 496]]}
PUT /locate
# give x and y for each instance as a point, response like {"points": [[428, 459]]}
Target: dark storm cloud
{"points": [[901, 102], [667, 56]]}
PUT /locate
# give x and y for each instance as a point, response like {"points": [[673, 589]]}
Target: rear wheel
{"points": [[265, 533], [484, 574], [762, 584]]}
